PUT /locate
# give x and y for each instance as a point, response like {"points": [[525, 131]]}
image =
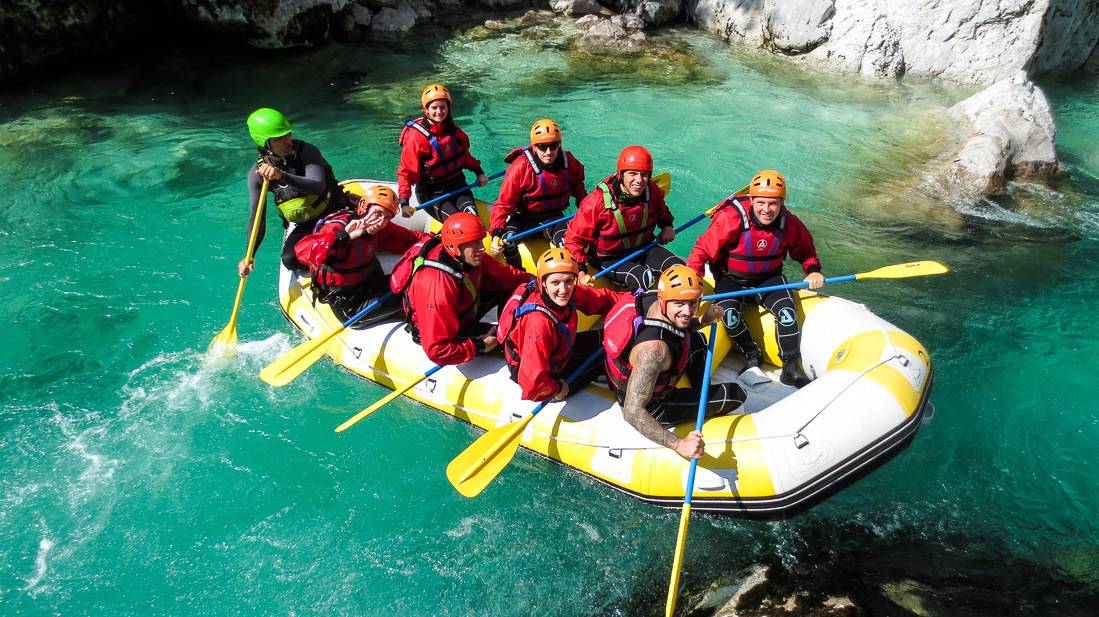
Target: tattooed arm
{"points": [[649, 358]]}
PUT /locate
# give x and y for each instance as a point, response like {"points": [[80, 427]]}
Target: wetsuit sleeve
{"points": [[659, 208], [592, 301], [408, 168], [801, 244], [312, 182], [536, 342], [580, 234], [255, 183], [502, 277], [514, 186], [394, 238], [576, 177], [721, 233], [432, 298], [315, 249], [468, 161]]}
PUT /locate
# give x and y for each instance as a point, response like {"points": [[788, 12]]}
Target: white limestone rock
{"points": [[1008, 132], [395, 20], [575, 7]]}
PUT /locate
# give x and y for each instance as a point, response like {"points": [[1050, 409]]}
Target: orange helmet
{"points": [[678, 282], [380, 195], [435, 92], [556, 260], [767, 183], [545, 131], [459, 228], [635, 158]]}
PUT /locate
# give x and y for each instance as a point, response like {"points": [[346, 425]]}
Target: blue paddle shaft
{"points": [[647, 247], [702, 402], [761, 290], [571, 378], [456, 191], [366, 309], [534, 230]]}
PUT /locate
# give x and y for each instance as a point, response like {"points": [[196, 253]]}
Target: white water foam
{"points": [[40, 567]]}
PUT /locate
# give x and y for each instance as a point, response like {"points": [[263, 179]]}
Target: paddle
{"points": [[685, 516], [288, 366], [456, 191], [382, 402], [227, 338], [898, 271], [663, 180], [472, 470], [649, 246]]}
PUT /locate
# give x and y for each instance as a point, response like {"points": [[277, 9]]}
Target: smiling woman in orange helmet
{"points": [[745, 246], [619, 216], [540, 180], [342, 255], [538, 328], [651, 340], [448, 285], [434, 153]]}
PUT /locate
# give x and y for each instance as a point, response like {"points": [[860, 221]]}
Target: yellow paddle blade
{"points": [[226, 340], [903, 271], [288, 366], [664, 181], [378, 405], [677, 560], [472, 470]]}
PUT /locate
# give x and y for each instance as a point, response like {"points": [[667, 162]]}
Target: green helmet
{"points": [[266, 123]]}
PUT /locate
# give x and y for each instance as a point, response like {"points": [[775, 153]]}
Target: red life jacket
{"points": [[757, 250], [624, 323], [425, 254], [351, 266], [554, 188], [447, 152], [631, 231], [521, 304]]}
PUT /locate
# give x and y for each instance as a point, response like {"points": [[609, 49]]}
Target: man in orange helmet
{"points": [[434, 153], [448, 285], [342, 254], [620, 216], [538, 328], [745, 247], [539, 181], [652, 340]]}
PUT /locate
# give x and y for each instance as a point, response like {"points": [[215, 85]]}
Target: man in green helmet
{"points": [[303, 183]]}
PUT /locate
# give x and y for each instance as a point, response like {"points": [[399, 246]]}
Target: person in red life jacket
{"points": [[448, 285], [537, 186], [434, 151], [745, 246], [652, 340], [342, 255], [620, 216], [538, 328], [302, 181]]}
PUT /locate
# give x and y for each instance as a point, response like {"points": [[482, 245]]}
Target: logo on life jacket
{"points": [[786, 317], [761, 245], [732, 318]]}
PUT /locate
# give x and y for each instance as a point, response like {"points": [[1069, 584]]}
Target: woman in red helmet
{"points": [[745, 246], [433, 156], [652, 340], [540, 180], [447, 286], [538, 328], [620, 216], [342, 254]]}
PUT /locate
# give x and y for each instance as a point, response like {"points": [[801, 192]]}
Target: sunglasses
{"points": [[547, 147]]}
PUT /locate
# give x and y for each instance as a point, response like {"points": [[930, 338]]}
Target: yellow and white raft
{"points": [[787, 450]]}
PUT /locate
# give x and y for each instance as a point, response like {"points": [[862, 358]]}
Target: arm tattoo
{"points": [[639, 389]]}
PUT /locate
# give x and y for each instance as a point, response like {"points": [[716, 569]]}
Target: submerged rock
{"points": [[1008, 133]]}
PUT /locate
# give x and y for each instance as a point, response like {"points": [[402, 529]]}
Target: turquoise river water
{"points": [[137, 477]]}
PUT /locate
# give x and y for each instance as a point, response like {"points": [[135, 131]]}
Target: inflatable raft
{"points": [[787, 450]]}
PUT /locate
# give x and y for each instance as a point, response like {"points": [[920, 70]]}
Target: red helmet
{"points": [[459, 228], [635, 158]]}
